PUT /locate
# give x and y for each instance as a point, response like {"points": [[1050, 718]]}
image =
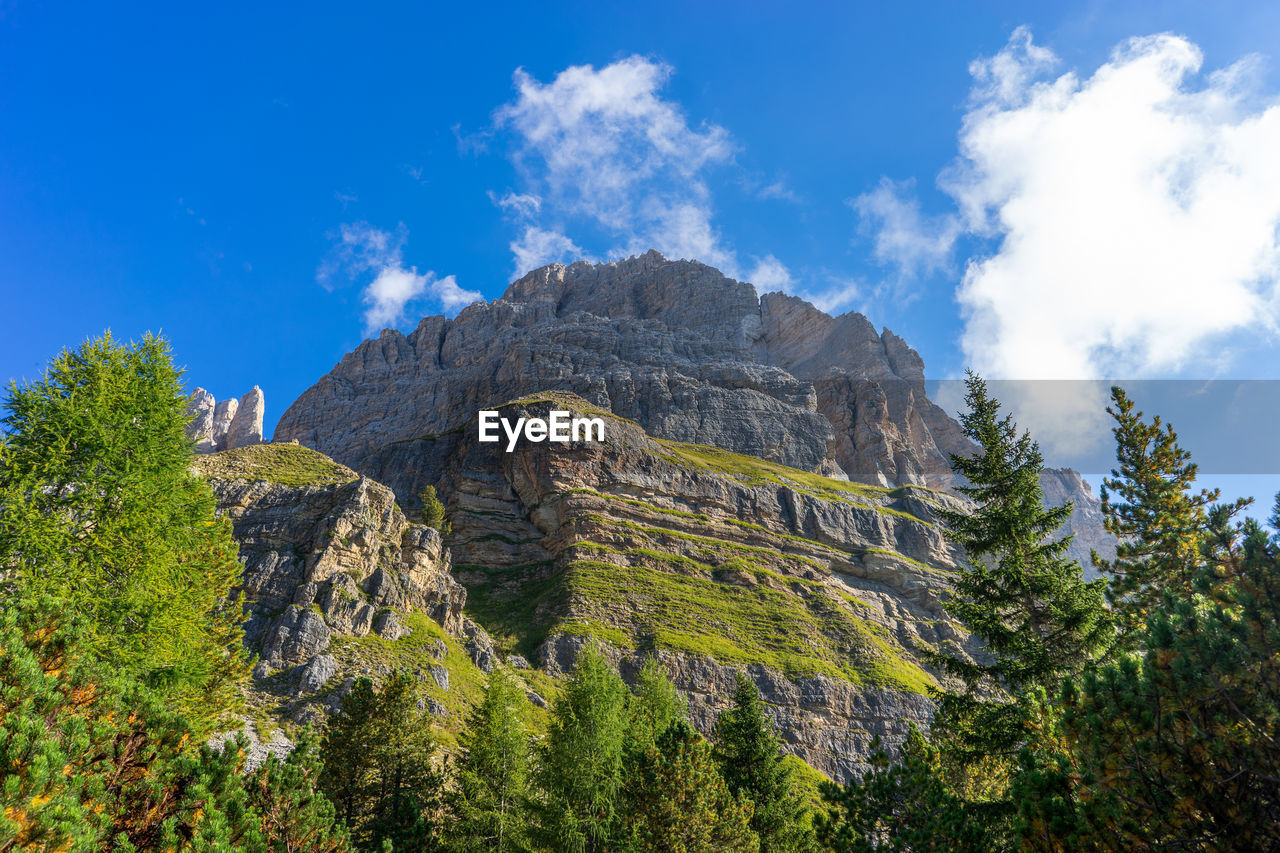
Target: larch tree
{"points": [[100, 509]]}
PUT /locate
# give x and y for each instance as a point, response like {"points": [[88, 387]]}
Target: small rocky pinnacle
{"points": [[225, 425]]}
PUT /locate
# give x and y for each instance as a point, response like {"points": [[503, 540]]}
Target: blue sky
{"points": [[265, 184]]}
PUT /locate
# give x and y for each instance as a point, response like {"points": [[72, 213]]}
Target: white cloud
{"points": [[770, 273], [537, 247], [360, 249], [840, 294], [1130, 216], [904, 236], [602, 152]]}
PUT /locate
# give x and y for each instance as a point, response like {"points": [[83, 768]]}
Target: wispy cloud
{"points": [[769, 273], [361, 250], [601, 152], [904, 236]]}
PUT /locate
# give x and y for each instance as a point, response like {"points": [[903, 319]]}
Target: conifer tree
{"points": [[98, 507], [677, 801], [92, 761], [1159, 522], [378, 768], [580, 766], [1175, 746], [295, 817], [900, 807], [749, 754], [433, 510], [490, 800], [655, 705], [1029, 605]]}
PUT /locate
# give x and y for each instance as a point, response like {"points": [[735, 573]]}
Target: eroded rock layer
{"points": [[826, 592]]}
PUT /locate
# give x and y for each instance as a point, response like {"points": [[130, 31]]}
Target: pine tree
{"points": [[490, 797], [295, 817], [903, 806], [677, 801], [378, 755], [580, 766], [1029, 605], [98, 507], [1159, 523], [91, 761], [749, 754], [1175, 746]]}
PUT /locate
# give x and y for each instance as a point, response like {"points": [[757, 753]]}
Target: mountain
{"points": [[676, 346], [765, 498]]}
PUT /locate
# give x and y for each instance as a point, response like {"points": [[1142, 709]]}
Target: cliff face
{"points": [[765, 500], [826, 592], [328, 556], [676, 346], [1063, 485]]}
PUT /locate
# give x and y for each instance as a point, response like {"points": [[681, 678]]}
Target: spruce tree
{"points": [[580, 761], [99, 508], [677, 801], [490, 799], [1037, 618], [749, 754]]}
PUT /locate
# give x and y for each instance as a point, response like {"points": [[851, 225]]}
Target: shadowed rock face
{"points": [[676, 346]]}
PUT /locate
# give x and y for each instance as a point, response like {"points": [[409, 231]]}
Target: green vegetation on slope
{"points": [[284, 464], [758, 472], [416, 652]]}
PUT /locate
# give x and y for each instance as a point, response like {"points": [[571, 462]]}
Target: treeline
{"points": [[1136, 712], [618, 770]]}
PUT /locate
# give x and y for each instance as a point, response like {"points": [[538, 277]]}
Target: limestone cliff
{"points": [[826, 592], [676, 346], [765, 499], [327, 555], [225, 425]]}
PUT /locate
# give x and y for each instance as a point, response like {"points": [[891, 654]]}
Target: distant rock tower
{"points": [[225, 425]]}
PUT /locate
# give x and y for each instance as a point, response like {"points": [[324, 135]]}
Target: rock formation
{"points": [[225, 425], [676, 346], [765, 500], [826, 592], [1063, 485], [327, 554]]}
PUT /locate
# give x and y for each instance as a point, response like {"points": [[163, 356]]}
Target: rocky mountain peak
{"points": [[687, 352]]}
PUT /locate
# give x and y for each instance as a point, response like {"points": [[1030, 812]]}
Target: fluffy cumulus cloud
{"points": [[600, 151], [361, 251], [1127, 219]]}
